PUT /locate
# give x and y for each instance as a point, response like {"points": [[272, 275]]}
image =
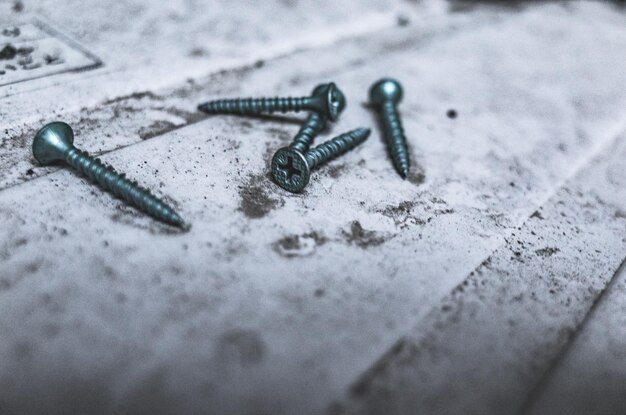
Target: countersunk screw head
{"points": [[385, 90], [290, 169], [52, 142], [55, 142], [332, 97]]}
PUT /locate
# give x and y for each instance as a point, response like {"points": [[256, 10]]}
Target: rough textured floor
{"points": [[490, 281]]}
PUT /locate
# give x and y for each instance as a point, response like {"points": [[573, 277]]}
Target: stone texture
{"points": [[487, 344], [590, 377]]}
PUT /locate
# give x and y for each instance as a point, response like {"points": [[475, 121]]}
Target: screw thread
{"points": [[119, 185], [336, 146], [395, 138], [313, 126], [256, 105]]}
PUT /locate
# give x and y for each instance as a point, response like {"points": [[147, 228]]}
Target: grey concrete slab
{"points": [[590, 377], [484, 348], [274, 302]]}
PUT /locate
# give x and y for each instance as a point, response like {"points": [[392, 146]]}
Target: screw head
{"points": [[290, 169], [334, 100], [52, 141], [384, 90]]}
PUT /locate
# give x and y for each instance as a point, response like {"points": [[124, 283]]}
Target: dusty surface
{"points": [[456, 291]]}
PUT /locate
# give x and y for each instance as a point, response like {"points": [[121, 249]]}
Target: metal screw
{"points": [[55, 142], [292, 169], [326, 99], [313, 126], [385, 94]]}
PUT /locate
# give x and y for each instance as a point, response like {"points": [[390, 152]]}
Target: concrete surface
{"points": [[590, 376], [456, 291]]}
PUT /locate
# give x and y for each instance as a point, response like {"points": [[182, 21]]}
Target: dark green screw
{"points": [[292, 169], [385, 94], [55, 142], [313, 126], [326, 99]]}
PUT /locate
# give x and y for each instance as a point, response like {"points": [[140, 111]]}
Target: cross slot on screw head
{"points": [[292, 169]]}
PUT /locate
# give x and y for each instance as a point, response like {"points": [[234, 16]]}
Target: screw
{"points": [[313, 126], [292, 170], [326, 99], [385, 94], [55, 142]]}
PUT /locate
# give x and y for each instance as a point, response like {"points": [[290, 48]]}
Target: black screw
{"points": [[326, 99], [55, 142], [313, 126], [292, 170], [385, 94]]}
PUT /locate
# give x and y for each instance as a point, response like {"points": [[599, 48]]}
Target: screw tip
{"points": [[364, 131], [178, 221]]}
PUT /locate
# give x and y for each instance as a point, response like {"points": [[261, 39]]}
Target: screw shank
{"points": [[312, 127], [335, 147], [394, 134], [119, 185], [256, 105]]}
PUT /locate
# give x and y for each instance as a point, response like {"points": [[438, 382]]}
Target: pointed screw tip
{"points": [[177, 221]]}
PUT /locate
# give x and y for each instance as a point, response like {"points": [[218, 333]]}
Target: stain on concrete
{"points": [[5, 284], [23, 350], [299, 245], [256, 199], [362, 238], [240, 346], [199, 52], [406, 214], [155, 129], [547, 252], [402, 214], [283, 135], [334, 171], [135, 96]]}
